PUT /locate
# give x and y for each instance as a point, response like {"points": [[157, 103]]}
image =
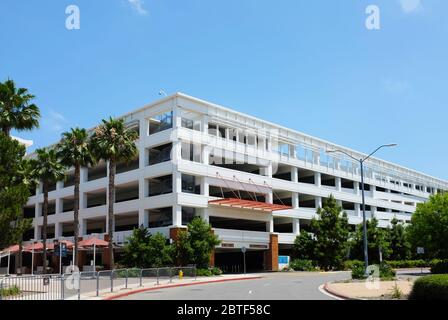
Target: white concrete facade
{"points": [[181, 137]]}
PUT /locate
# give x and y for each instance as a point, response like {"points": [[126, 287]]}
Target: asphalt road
{"points": [[272, 286]]}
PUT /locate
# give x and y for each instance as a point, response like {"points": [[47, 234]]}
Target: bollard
{"points": [[141, 277], [127, 274], [79, 286], [111, 281], [97, 283]]}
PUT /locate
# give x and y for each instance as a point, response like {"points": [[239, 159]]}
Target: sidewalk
{"points": [[176, 283]]}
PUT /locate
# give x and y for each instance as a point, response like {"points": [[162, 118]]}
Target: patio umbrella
{"points": [[8, 251], [93, 242]]}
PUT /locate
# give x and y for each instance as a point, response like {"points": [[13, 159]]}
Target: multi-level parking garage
{"points": [[258, 184]]}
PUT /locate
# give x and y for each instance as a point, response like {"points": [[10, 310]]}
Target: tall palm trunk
{"points": [[44, 227], [111, 200], [76, 213], [7, 130]]}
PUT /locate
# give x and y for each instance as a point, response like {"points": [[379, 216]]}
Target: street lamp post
{"points": [[364, 222]]}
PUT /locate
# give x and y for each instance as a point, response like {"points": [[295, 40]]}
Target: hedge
{"points": [[433, 287], [439, 267], [302, 265]]}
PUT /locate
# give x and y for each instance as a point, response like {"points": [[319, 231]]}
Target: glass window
{"points": [[188, 215], [190, 184], [161, 122], [161, 217]]}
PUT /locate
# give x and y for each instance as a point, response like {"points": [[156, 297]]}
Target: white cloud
{"points": [[408, 6], [137, 5], [54, 121]]}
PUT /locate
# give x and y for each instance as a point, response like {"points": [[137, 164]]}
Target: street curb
{"points": [[176, 285], [337, 294]]}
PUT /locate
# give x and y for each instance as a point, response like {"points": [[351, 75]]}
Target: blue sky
{"points": [[308, 65]]}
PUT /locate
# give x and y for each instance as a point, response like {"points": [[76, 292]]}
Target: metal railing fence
{"points": [[87, 283]]}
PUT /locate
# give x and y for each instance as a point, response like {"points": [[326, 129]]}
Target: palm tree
{"points": [[16, 111], [48, 169], [113, 142], [28, 179], [74, 151]]}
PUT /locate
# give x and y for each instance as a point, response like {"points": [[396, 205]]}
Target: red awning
{"points": [[93, 241], [11, 249], [249, 204]]}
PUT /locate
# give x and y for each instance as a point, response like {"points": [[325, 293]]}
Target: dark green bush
{"points": [[357, 268], [204, 272], [439, 267], [302, 265], [433, 287], [396, 264], [385, 271], [216, 271], [348, 264]]}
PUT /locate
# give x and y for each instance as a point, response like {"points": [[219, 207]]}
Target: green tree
{"points": [[196, 244], [16, 109], [48, 169], [74, 151], [144, 250], [331, 232], [14, 191], [377, 240], [400, 248], [112, 141], [429, 226], [183, 252], [303, 247]]}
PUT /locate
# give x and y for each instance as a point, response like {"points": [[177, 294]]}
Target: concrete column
{"points": [[36, 210], [338, 181], [177, 215], [295, 200], [270, 197], [316, 157], [58, 230], [356, 186], [82, 227], [58, 206], [204, 187], [83, 175], [317, 179], [142, 188], [296, 226], [294, 174], [318, 202], [270, 225], [358, 209], [372, 211], [59, 185], [37, 232], [205, 154], [177, 182], [143, 218], [205, 215]]}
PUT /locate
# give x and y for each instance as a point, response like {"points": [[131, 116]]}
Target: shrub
{"points": [[348, 265], [203, 272], [11, 291], [302, 265], [357, 268], [386, 271], [439, 267], [216, 271], [396, 264], [433, 287]]}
